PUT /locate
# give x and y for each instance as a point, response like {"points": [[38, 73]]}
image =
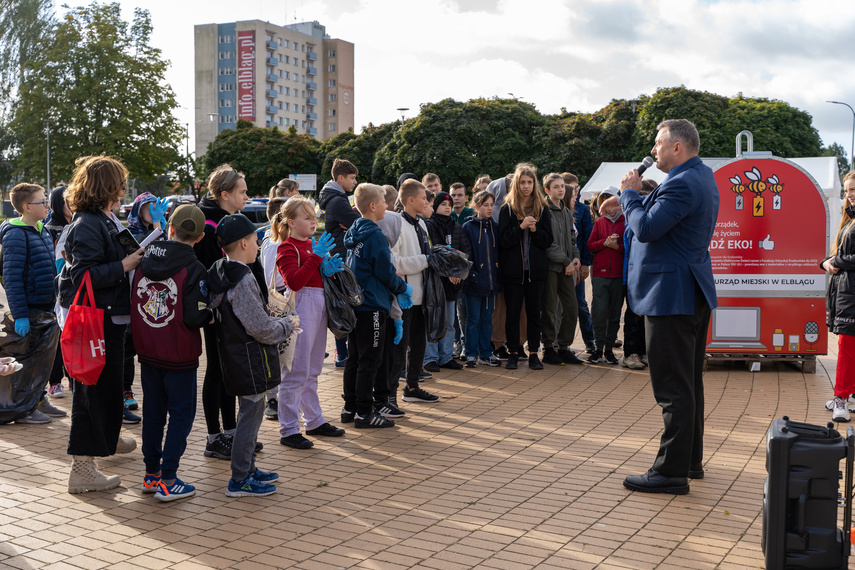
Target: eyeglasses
{"points": [[45, 204]]}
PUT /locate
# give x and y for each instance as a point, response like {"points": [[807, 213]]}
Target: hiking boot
{"points": [[550, 356], [85, 476], [221, 447]]}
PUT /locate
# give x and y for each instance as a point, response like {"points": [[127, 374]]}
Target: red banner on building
{"points": [[246, 75]]}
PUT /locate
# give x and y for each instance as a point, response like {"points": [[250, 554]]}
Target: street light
{"points": [[402, 110], [851, 148]]}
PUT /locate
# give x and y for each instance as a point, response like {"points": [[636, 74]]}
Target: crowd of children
{"points": [[210, 276]]}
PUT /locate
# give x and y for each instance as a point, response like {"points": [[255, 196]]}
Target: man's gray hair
{"points": [[683, 131]]}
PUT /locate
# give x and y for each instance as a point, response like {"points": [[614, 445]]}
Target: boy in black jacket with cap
{"points": [[247, 337], [169, 301]]}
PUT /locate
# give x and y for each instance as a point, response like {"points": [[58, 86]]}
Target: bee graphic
{"points": [[758, 187], [738, 187], [775, 187]]}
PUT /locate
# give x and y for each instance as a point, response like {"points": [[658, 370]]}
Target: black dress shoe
{"points": [[655, 482], [696, 471]]}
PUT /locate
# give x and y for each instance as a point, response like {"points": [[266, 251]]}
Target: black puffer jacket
{"points": [[511, 238], [92, 245], [443, 230], [840, 295]]}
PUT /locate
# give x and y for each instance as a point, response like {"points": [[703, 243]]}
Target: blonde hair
{"points": [[222, 179], [367, 194], [845, 219], [409, 188], [279, 230], [97, 182], [515, 198]]}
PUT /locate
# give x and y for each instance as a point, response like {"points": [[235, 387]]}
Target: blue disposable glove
{"points": [[405, 299], [399, 331], [324, 244], [158, 212], [331, 265], [22, 326], [60, 263]]}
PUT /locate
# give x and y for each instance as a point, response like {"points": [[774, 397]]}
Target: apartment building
{"points": [[271, 76]]}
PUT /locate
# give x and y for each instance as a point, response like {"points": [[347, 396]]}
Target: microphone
{"points": [[645, 164]]}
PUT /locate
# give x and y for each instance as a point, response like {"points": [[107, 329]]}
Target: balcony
{"points": [[272, 61], [311, 116], [312, 56], [311, 101], [312, 131], [312, 86], [272, 45], [270, 109], [312, 71], [271, 93], [272, 78]]}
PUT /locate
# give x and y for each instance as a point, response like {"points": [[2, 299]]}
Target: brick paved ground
{"points": [[513, 469]]}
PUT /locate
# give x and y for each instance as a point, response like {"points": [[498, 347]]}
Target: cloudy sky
{"points": [[577, 54]]}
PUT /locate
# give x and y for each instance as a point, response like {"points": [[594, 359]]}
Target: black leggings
{"points": [[530, 292], [215, 399]]}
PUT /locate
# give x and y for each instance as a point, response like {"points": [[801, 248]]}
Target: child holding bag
{"points": [[300, 261]]}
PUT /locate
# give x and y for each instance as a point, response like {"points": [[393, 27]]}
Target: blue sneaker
{"points": [[150, 483], [129, 400], [178, 490], [128, 417], [264, 476], [249, 487]]}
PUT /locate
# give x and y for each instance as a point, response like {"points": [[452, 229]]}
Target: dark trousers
{"points": [[171, 392], [633, 332], [58, 370], [559, 310], [605, 310], [386, 383], [215, 399], [341, 349], [96, 411], [530, 293], [409, 354], [675, 353], [365, 353], [586, 327], [130, 353]]}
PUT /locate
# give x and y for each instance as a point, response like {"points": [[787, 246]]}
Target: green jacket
{"points": [[464, 215], [563, 249]]}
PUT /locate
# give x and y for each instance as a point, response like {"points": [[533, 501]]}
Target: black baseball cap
{"points": [[233, 228]]}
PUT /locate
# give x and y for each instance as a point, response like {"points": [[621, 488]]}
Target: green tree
{"points": [[264, 155], [23, 26], [458, 141], [99, 86], [359, 149], [836, 149]]}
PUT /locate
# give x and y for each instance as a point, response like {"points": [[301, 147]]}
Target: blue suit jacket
{"points": [[669, 252]]}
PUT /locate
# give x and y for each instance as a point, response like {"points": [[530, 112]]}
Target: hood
{"points": [[225, 274], [135, 224], [211, 208], [390, 225], [360, 231], [404, 177], [163, 259], [330, 190], [495, 186], [56, 218]]}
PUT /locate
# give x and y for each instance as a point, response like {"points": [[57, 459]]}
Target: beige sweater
{"points": [[409, 260]]}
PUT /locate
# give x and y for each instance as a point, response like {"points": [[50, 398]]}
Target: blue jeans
{"points": [[170, 392], [442, 351], [586, 327], [479, 326]]}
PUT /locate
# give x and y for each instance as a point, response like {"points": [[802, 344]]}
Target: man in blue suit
{"points": [[670, 282]]}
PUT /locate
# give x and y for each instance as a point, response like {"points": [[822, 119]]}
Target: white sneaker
{"points": [[840, 413]]}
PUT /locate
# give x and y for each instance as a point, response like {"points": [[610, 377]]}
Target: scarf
{"points": [[424, 243]]}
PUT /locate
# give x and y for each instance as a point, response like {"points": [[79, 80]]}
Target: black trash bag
{"points": [[339, 291], [448, 262], [434, 307], [20, 392]]}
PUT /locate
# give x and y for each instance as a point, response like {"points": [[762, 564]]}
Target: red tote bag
{"points": [[82, 337]]}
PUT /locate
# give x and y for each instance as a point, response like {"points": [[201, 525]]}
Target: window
{"points": [[332, 83], [284, 43], [331, 69], [226, 87], [285, 121], [332, 97], [296, 62], [286, 60], [303, 62], [304, 48], [330, 127], [227, 102], [304, 93], [226, 39], [287, 90], [297, 46], [280, 90], [285, 107], [304, 109], [280, 120], [226, 71], [331, 53], [331, 113], [280, 104], [269, 38], [304, 124], [227, 118], [226, 55], [287, 74]]}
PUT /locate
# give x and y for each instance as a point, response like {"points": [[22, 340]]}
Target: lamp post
{"points": [[402, 110], [851, 148]]}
